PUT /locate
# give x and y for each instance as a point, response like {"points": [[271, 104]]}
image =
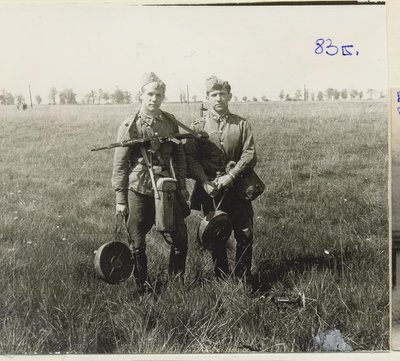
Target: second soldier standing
{"points": [[230, 139]]}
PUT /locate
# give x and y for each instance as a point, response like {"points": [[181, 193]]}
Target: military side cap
{"points": [[150, 78], [214, 83]]}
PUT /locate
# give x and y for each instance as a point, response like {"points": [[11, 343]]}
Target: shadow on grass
{"points": [[268, 273]]}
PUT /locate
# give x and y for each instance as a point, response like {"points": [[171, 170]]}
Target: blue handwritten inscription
{"points": [[398, 101], [326, 46]]}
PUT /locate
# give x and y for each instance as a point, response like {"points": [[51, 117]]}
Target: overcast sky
{"points": [[259, 49]]}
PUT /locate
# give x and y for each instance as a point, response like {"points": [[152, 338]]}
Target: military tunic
{"points": [[130, 170]]}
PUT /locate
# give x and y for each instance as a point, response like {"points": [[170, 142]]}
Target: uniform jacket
{"points": [[230, 139], [130, 170]]}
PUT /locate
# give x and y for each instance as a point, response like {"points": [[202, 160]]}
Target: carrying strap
{"points": [[183, 126], [149, 166]]}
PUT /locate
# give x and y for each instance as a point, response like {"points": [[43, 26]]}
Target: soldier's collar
{"points": [[149, 119], [214, 115]]}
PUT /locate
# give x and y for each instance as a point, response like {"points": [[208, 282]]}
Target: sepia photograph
{"points": [[196, 180]]}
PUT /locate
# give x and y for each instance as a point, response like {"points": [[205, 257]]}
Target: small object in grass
{"points": [[15, 218], [299, 300], [64, 238], [19, 191], [326, 252], [29, 242]]}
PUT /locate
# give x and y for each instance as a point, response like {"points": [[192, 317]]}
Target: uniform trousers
{"points": [[240, 213], [141, 218]]}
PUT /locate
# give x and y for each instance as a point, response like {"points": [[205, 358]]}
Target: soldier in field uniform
{"points": [[230, 139], [132, 183]]}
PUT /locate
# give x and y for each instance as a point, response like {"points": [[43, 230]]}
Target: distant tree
{"points": [[100, 93], [371, 93], [235, 99], [6, 98], [52, 95], [312, 96], [382, 95], [38, 99], [330, 93], [344, 94], [91, 97], [194, 98], [20, 99], [245, 98], [118, 96], [336, 94], [127, 97], [360, 95], [320, 96], [353, 94], [264, 98], [67, 96], [254, 99], [282, 95], [288, 98], [298, 95], [106, 96]]}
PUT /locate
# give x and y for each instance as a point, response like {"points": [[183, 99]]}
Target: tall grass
{"points": [[320, 228]]}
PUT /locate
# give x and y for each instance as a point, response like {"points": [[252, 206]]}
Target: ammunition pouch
{"points": [[165, 204], [248, 185]]}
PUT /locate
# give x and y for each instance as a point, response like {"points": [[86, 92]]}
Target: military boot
{"points": [[220, 260], [244, 254], [140, 270], [177, 262]]}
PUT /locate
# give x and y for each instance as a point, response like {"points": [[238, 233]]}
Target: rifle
{"points": [[175, 138]]}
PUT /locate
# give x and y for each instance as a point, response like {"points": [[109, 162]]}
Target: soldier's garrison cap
{"points": [[214, 83], [148, 78]]}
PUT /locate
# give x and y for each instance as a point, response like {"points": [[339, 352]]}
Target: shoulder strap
{"points": [[182, 125]]}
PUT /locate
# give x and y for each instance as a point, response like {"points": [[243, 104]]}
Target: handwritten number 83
{"points": [[330, 49]]}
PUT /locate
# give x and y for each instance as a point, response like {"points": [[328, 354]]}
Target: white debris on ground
{"points": [[330, 341]]}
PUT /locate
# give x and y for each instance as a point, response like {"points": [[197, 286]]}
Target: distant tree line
{"points": [[331, 94], [119, 96], [328, 94], [68, 96]]}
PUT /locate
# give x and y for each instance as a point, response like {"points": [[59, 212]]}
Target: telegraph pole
{"points": [[30, 95], [187, 92]]}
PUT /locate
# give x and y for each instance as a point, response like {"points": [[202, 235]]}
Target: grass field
{"points": [[321, 228]]}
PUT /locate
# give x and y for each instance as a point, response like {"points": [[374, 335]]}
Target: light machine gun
{"points": [[175, 138]]}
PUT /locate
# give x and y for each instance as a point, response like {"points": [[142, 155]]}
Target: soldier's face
{"points": [[219, 100], [151, 97]]}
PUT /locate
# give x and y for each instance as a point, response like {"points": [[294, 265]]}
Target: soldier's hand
{"points": [[185, 194], [210, 188], [224, 181], [121, 209]]}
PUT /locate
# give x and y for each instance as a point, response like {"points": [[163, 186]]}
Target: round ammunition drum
{"points": [[113, 262], [215, 228]]}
